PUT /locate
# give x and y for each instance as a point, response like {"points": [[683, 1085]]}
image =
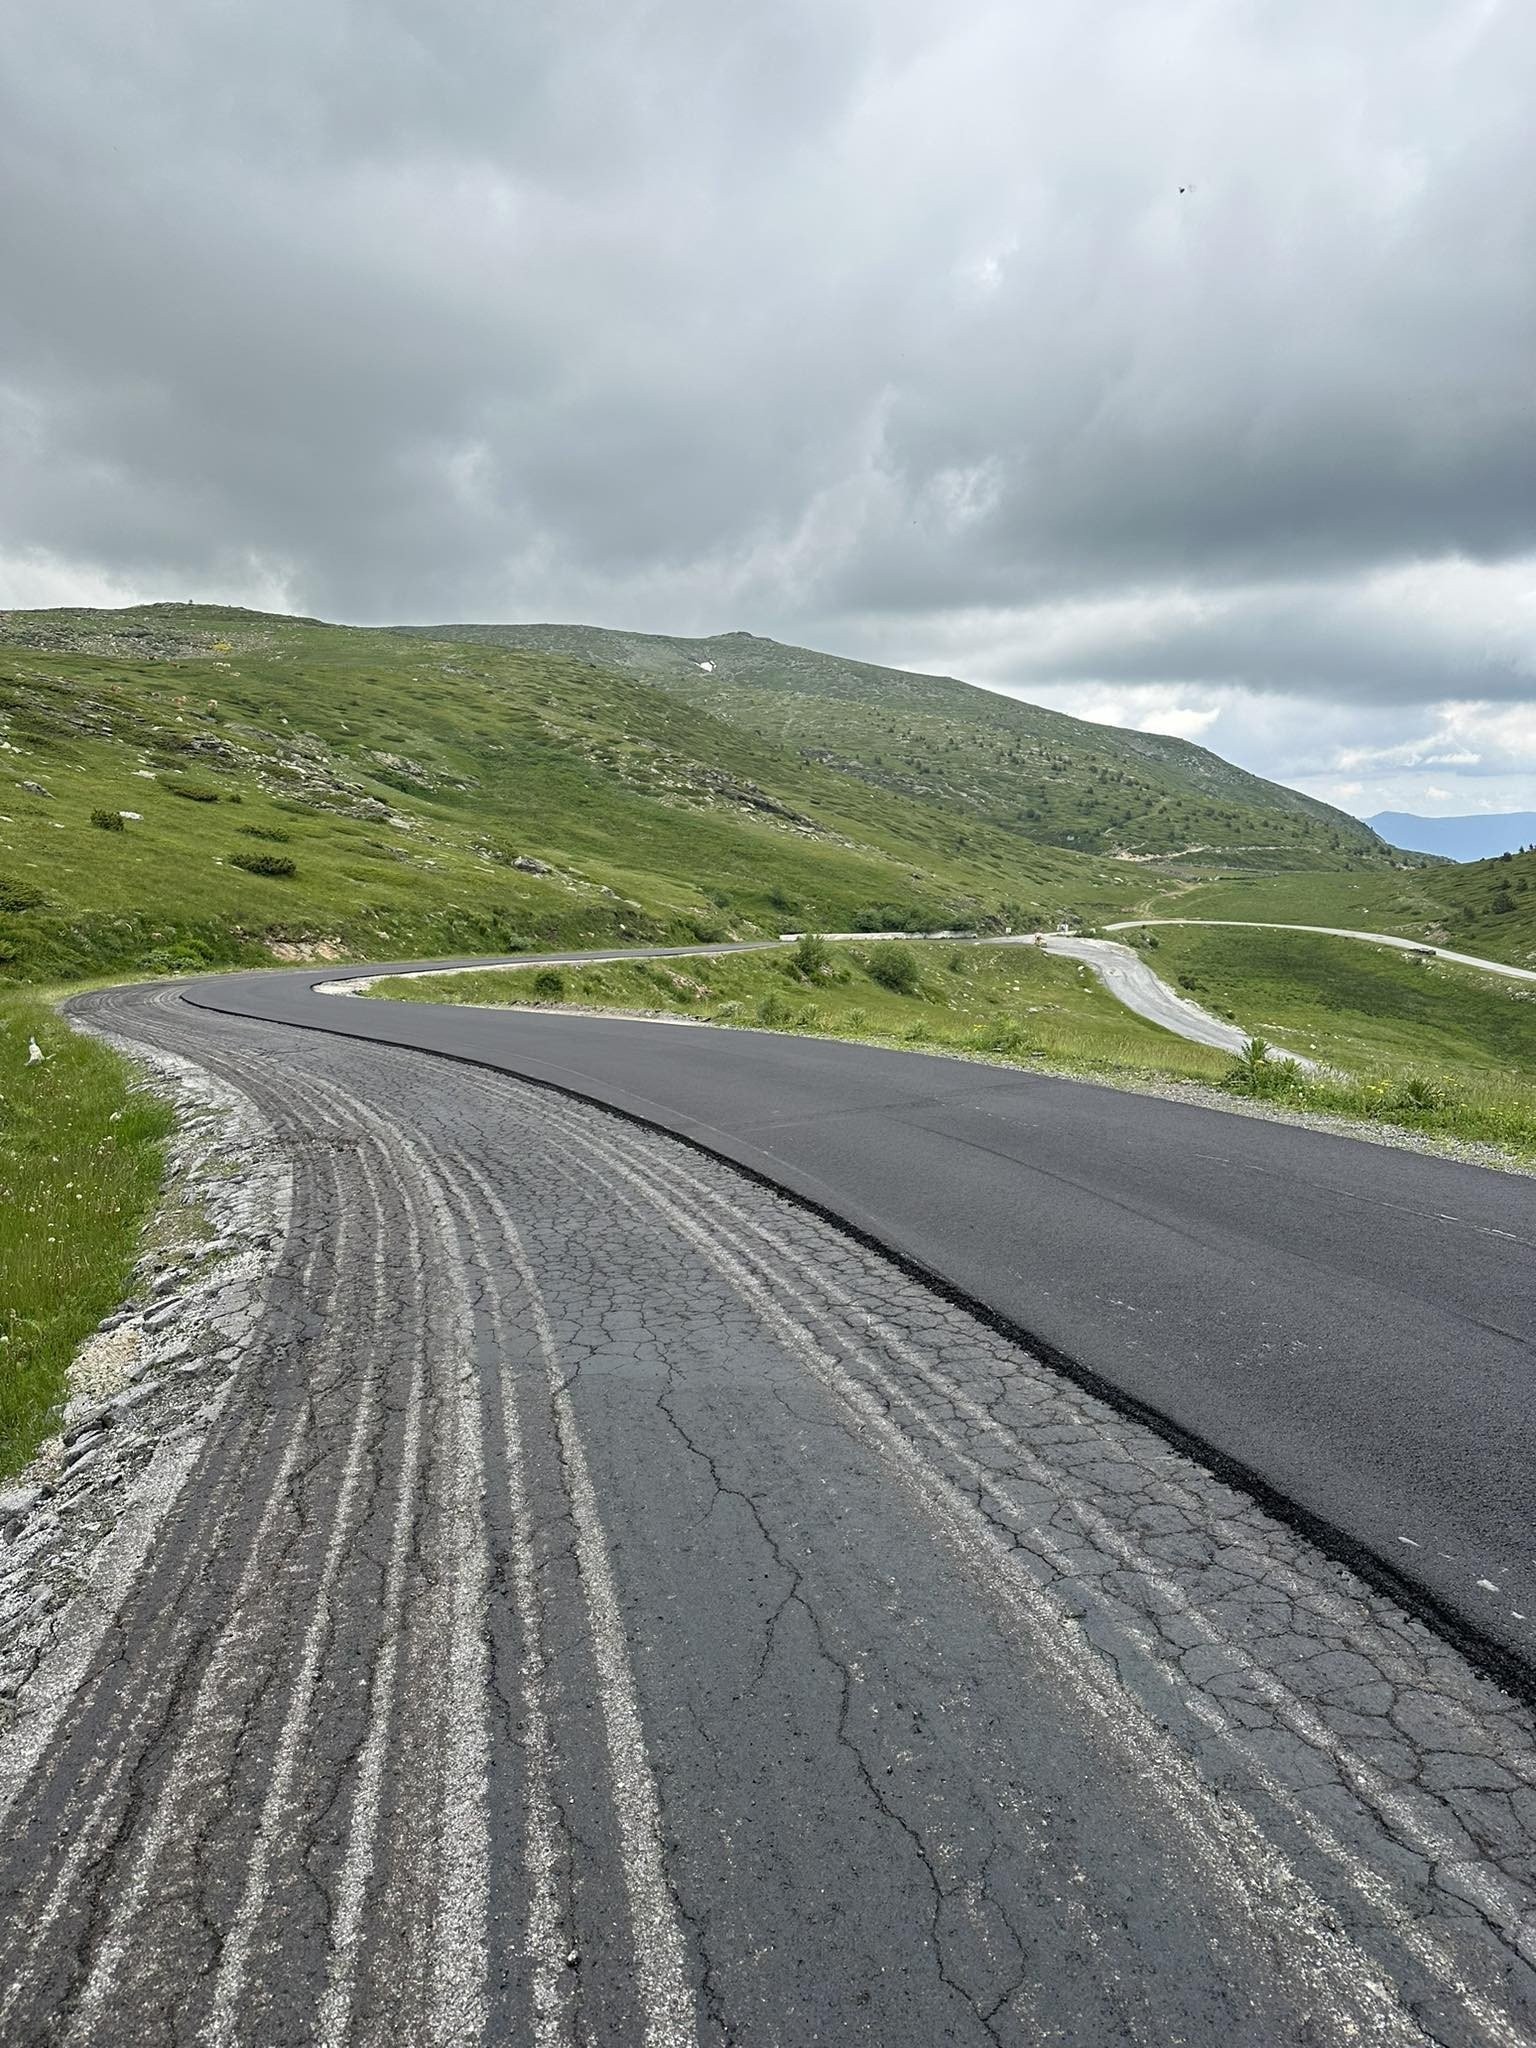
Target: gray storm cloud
{"points": [[1109, 348]]}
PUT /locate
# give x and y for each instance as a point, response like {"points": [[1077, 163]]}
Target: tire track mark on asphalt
{"points": [[217, 1711], [551, 1999], [670, 2019], [358, 1862], [1227, 1838], [456, 2008], [161, 1651], [223, 2024], [1416, 1823]]}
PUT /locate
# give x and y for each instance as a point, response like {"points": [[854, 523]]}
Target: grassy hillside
{"points": [[1013, 1001], [1486, 907], [1036, 774], [191, 785]]}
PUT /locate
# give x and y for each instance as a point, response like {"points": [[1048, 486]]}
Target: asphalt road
{"points": [[1345, 1326], [1336, 931], [613, 1604]]}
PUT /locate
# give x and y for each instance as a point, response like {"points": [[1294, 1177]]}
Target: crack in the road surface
{"points": [[609, 1602]]}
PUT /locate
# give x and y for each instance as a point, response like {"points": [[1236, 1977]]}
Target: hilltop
{"points": [[1038, 775], [191, 785]]}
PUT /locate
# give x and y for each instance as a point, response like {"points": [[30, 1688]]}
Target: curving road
{"points": [[1344, 1327], [1334, 931], [1121, 969], [613, 1604], [1131, 981]]}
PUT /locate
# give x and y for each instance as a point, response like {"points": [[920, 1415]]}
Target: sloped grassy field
{"points": [[1355, 1006], [1011, 1000], [1055, 780], [188, 786]]}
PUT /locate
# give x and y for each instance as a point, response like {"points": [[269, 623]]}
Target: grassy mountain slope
{"points": [[433, 798], [1038, 774]]}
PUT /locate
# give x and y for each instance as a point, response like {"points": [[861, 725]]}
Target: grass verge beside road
{"points": [[1431, 1049], [82, 1156]]}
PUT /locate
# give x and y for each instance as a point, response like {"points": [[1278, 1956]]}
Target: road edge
{"points": [[1490, 1659]]}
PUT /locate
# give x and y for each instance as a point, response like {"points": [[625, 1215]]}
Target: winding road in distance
{"points": [[870, 1598]]}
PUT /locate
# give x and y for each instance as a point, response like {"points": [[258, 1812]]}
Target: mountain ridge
{"points": [[1158, 798]]}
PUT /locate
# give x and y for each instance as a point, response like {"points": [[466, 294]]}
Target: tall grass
{"points": [[82, 1154], [1485, 1108]]}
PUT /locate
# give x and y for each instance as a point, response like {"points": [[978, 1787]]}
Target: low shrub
{"points": [[549, 984], [191, 792], [271, 832], [812, 956], [108, 821], [894, 966], [1417, 1094], [276, 865], [1255, 1072]]}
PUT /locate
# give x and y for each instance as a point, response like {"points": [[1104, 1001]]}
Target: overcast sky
{"points": [[1173, 364]]}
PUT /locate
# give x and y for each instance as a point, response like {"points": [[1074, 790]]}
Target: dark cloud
{"points": [[845, 316]]}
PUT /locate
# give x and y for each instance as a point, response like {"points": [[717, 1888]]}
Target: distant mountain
{"points": [[1482, 837], [981, 758]]}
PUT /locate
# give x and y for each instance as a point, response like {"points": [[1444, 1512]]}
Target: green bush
{"points": [[192, 792], [108, 821], [271, 832], [1416, 1093], [1253, 1072], [274, 864], [894, 966], [549, 984], [812, 956]]}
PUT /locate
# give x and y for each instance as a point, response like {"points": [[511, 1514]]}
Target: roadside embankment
{"points": [[1025, 1004], [82, 1154]]}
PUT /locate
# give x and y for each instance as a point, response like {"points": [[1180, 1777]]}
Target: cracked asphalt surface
{"points": [[1345, 1328], [614, 1604]]}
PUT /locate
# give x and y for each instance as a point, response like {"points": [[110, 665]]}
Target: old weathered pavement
{"points": [[614, 1605], [1347, 1328]]}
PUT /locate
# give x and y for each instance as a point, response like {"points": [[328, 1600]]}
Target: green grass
{"points": [[1436, 1049], [81, 1162], [1413, 1040], [405, 779], [1011, 1001], [1486, 907]]}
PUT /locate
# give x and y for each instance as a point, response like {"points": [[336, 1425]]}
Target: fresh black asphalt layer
{"points": [[1346, 1327], [612, 1603]]}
